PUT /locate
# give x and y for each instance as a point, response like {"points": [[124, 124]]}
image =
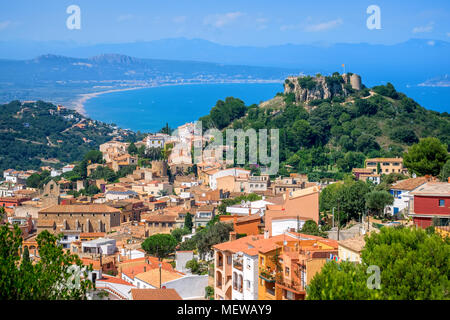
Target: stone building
{"points": [[81, 218]]}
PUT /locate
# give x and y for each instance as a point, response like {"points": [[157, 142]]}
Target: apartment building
{"points": [[386, 165], [286, 268]]}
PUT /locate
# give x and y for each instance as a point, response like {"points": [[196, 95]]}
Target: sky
{"points": [[230, 22]]}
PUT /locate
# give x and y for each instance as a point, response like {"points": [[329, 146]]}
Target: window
{"points": [[286, 270], [441, 203]]}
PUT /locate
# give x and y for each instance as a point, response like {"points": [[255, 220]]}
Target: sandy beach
{"points": [[78, 104]]}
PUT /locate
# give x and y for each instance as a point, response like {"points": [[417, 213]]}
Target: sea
{"points": [[149, 109]]}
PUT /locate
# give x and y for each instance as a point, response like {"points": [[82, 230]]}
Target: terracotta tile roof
{"points": [[249, 218], [155, 294], [355, 244], [152, 276], [159, 217], [409, 184], [133, 267], [80, 208], [111, 279], [385, 160], [92, 234], [251, 245]]}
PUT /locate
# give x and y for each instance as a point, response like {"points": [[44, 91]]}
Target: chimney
{"points": [[233, 235]]}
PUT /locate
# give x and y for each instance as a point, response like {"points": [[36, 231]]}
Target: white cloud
{"points": [[424, 29], [448, 34], [4, 24], [324, 25], [286, 27], [125, 17], [431, 43], [261, 23], [220, 20], [179, 19]]}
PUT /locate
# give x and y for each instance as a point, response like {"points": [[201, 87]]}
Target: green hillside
{"points": [[37, 133], [327, 138]]}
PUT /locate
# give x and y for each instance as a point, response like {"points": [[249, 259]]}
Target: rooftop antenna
{"points": [[343, 66]]}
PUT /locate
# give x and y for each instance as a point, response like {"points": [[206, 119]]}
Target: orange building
{"points": [[298, 207], [289, 266], [248, 225]]}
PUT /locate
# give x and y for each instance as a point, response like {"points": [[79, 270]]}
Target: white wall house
{"points": [[244, 277], [157, 140], [120, 195], [258, 206], [401, 192], [101, 245], [280, 226]]}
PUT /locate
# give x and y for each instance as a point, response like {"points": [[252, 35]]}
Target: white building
{"points": [[156, 140], [101, 245], [120, 195], [401, 192], [245, 276], [68, 168], [243, 209]]}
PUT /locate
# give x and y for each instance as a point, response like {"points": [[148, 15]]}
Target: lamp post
{"points": [[333, 216], [160, 265]]}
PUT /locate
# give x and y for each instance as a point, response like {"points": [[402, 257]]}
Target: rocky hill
{"points": [[307, 88], [329, 125]]}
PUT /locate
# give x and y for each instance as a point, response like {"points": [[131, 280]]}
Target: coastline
{"points": [[78, 104]]}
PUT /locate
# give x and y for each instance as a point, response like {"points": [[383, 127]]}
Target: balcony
{"points": [[266, 275], [292, 286]]}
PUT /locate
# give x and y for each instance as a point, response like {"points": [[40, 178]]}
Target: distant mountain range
{"points": [[442, 81], [410, 62]]}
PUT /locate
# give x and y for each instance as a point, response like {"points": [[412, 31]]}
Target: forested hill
{"points": [[37, 133], [329, 137]]}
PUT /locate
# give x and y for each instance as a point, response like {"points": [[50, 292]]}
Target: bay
{"points": [[149, 109]]}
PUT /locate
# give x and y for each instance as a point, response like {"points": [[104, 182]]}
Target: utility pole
{"points": [[339, 221], [368, 225], [160, 265], [333, 216]]}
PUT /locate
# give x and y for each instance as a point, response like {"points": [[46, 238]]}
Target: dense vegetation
{"points": [[34, 132], [57, 275], [413, 265], [329, 137]]}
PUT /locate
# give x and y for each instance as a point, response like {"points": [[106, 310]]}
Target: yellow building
{"points": [[387, 165], [268, 268]]}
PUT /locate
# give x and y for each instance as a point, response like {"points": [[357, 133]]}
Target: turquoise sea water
{"points": [[149, 109]]}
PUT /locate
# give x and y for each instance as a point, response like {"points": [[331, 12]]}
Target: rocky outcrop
{"points": [[308, 88]]}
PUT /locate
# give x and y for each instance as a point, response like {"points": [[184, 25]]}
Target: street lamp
{"points": [[160, 265]]}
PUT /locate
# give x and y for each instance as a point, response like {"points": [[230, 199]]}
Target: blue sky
{"points": [[244, 22]]}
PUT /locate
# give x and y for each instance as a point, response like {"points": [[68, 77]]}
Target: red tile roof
{"points": [[155, 294]]}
